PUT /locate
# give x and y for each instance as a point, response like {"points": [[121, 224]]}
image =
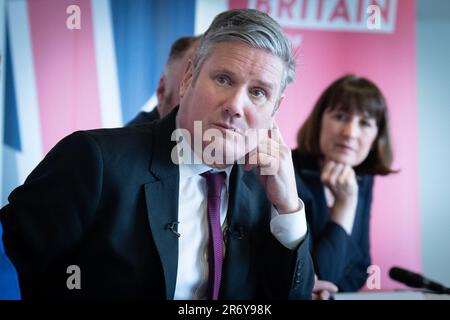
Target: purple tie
{"points": [[214, 183]]}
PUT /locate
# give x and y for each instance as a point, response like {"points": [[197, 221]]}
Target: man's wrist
{"points": [[288, 207]]}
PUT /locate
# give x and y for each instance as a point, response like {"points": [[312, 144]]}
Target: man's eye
{"points": [[258, 93], [222, 80]]}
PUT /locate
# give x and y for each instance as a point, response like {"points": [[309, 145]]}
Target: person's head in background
{"points": [[349, 125], [168, 89]]}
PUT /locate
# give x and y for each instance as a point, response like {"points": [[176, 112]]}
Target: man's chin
{"points": [[218, 166], [222, 153], [219, 163]]}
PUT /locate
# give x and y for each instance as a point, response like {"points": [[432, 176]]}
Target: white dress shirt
{"points": [[192, 271]]}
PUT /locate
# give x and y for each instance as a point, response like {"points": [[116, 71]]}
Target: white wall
{"points": [[433, 79]]}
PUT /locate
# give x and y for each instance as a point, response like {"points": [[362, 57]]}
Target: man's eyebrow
{"points": [[224, 71], [265, 84], [262, 83]]}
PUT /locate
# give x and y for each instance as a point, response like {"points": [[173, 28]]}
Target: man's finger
{"points": [[321, 285], [325, 295], [276, 134]]}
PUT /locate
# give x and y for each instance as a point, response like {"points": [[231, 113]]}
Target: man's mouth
{"points": [[224, 126]]}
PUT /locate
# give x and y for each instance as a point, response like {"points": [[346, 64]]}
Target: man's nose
{"points": [[235, 103]]}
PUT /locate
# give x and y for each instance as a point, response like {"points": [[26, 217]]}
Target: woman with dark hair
{"points": [[341, 146]]}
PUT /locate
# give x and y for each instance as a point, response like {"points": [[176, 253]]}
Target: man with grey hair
{"points": [[120, 208]]}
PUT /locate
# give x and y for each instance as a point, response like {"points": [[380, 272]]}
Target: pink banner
{"points": [[375, 39], [65, 68]]}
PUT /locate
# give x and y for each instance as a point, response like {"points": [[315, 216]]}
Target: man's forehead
{"points": [[235, 57]]}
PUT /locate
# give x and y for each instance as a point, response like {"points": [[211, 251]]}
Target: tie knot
{"points": [[214, 182]]}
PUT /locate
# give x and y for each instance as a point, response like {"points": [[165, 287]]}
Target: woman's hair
{"points": [[354, 95]]}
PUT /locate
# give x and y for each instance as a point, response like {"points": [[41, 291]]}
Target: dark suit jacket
{"points": [[103, 200], [338, 257], [144, 117]]}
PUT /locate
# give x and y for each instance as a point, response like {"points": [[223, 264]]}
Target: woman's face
{"points": [[347, 137]]}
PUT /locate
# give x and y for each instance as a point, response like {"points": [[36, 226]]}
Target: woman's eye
{"points": [[340, 116], [366, 123]]}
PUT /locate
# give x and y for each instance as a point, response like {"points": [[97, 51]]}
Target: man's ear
{"points": [[161, 89], [187, 78], [277, 104]]}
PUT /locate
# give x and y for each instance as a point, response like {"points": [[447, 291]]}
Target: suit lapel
{"points": [[162, 199], [311, 189]]}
